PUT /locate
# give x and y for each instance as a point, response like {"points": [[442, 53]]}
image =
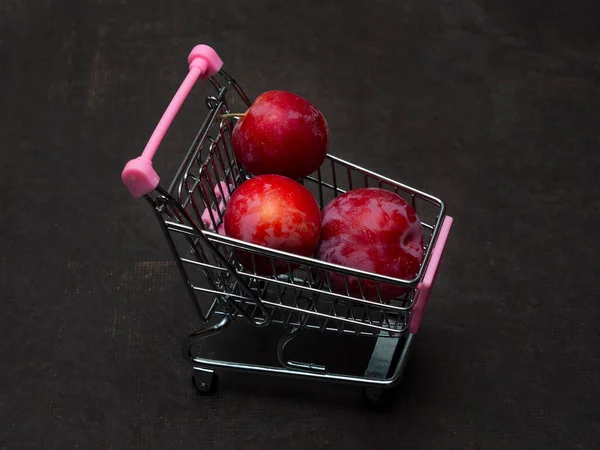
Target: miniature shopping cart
{"points": [[190, 213]]}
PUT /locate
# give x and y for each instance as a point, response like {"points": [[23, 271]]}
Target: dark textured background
{"points": [[491, 104]]}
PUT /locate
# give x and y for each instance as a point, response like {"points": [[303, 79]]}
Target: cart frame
{"points": [[190, 213]]}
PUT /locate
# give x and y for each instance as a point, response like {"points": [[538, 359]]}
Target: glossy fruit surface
{"points": [[281, 133], [276, 212], [373, 230]]}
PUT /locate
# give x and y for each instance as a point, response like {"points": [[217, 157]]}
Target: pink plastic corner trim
{"points": [[138, 175], [424, 288]]}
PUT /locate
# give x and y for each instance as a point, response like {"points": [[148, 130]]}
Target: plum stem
{"points": [[231, 115]]}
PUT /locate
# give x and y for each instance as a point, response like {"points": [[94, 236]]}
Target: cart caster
{"points": [[206, 383], [376, 398]]}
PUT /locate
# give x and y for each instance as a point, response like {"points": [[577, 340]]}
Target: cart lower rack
{"points": [[190, 213]]}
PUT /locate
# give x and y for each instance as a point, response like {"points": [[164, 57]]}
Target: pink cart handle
{"points": [[138, 175], [424, 287]]}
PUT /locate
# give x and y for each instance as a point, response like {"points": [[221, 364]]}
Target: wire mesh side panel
{"points": [[298, 292], [336, 176], [197, 272], [195, 202], [305, 293]]}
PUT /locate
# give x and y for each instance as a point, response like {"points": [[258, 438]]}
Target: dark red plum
{"points": [[373, 230]]}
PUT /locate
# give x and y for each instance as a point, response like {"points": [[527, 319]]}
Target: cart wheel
{"points": [[376, 398], [206, 383]]}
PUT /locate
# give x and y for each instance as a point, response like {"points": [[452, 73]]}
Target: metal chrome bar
{"points": [[382, 382]]}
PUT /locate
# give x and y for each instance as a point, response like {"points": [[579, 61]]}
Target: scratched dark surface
{"points": [[492, 105]]}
